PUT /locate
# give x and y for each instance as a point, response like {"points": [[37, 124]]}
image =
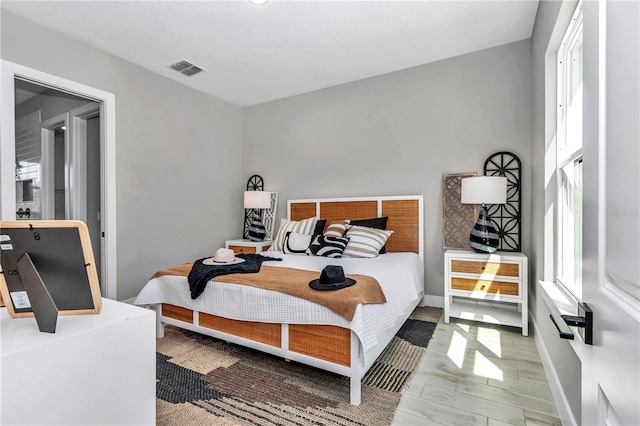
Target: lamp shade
{"points": [[257, 200], [484, 190]]}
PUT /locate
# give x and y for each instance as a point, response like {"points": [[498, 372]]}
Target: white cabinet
{"points": [[95, 369], [486, 287]]}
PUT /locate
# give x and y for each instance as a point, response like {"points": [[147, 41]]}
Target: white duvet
{"points": [[401, 276]]}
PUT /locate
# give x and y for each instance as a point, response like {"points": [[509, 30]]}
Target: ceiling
{"points": [[258, 53]]}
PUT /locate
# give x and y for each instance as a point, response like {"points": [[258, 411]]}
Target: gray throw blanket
{"points": [[200, 273]]}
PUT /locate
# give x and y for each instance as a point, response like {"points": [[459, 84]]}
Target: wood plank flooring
{"points": [[478, 374]]}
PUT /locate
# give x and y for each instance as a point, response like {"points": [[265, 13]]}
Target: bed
{"points": [[299, 330]]}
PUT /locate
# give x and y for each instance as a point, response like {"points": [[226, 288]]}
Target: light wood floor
{"points": [[478, 374]]}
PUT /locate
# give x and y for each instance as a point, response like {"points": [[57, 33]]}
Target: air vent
{"points": [[185, 67]]}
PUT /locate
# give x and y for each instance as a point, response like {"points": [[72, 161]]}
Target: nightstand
{"points": [[486, 287], [248, 246]]}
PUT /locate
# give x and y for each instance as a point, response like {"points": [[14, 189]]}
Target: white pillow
{"points": [[305, 226], [295, 243], [364, 241]]}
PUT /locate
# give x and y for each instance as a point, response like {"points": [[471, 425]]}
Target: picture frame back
{"points": [[63, 257]]}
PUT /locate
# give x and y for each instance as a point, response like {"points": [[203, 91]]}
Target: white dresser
{"points": [[96, 369], [486, 287]]}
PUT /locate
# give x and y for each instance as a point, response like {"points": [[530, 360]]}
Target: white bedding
{"points": [[401, 276]]}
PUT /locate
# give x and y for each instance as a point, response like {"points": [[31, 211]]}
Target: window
{"points": [[569, 158]]}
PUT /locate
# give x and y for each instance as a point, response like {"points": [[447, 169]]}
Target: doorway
{"points": [[64, 182], [74, 160]]}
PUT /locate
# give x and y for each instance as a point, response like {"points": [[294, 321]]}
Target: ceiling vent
{"points": [[185, 67]]}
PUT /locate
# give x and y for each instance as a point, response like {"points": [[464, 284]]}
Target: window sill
{"points": [[558, 298]]}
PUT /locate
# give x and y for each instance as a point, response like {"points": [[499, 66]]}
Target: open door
{"points": [[611, 247]]}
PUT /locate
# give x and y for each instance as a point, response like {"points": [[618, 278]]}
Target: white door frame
{"points": [[78, 120], [47, 167], [9, 71]]}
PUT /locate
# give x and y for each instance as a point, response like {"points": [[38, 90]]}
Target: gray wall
{"points": [[178, 153], [398, 133]]}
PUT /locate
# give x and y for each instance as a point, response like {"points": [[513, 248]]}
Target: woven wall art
{"points": [[457, 218]]}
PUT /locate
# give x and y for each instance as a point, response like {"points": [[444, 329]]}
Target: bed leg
{"points": [[355, 387], [159, 323]]}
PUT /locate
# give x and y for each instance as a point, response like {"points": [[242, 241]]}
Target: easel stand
{"points": [[42, 304]]}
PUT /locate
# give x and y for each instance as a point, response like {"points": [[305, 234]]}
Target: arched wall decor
{"points": [[507, 217], [255, 183]]}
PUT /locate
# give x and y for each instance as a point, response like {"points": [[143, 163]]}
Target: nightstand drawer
{"points": [[242, 249], [485, 286], [473, 267]]}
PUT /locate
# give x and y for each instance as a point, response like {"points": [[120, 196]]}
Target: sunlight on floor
{"points": [[491, 340], [482, 365], [457, 349], [485, 368], [465, 327]]}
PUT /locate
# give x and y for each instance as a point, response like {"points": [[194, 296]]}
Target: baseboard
{"points": [[433, 301], [564, 410]]}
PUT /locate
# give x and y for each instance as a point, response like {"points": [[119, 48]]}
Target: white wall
{"points": [[178, 156], [398, 133]]}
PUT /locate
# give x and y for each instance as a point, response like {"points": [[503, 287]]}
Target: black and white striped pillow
{"points": [[305, 226], [327, 246]]}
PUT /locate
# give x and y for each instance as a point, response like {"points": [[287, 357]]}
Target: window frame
{"points": [[568, 153]]}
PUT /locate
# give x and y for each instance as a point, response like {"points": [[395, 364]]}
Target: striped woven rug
{"points": [[206, 381]]}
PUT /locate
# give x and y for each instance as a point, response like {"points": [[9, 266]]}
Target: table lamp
{"points": [[257, 200], [484, 190]]}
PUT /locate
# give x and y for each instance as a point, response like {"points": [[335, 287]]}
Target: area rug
{"points": [[205, 381]]}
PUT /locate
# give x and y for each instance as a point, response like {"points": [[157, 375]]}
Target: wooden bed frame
{"points": [[330, 348]]}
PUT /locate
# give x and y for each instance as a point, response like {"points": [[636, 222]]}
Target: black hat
{"points": [[332, 278]]}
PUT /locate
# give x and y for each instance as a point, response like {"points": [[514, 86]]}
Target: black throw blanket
{"points": [[200, 273]]}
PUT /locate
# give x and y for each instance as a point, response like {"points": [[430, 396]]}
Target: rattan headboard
{"points": [[405, 216]]}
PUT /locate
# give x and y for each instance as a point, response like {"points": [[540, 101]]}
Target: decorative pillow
{"points": [[305, 226], [376, 222], [364, 241], [295, 243], [320, 224], [336, 228], [327, 246]]}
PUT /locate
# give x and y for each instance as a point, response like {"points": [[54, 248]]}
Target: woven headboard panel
{"points": [[405, 216]]}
